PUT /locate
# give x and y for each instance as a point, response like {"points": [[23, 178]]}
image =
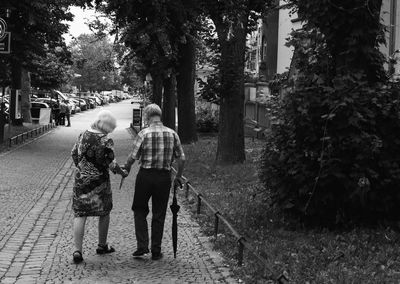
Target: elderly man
{"points": [[155, 147]]}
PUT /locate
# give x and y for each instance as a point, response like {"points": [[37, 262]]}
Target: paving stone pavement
{"points": [[36, 241]]}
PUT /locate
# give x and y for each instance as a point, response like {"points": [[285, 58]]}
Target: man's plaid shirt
{"points": [[156, 147]]}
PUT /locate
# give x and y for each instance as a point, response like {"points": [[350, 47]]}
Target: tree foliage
{"points": [[94, 59], [331, 156], [36, 33], [156, 34], [52, 70], [37, 28], [352, 31]]}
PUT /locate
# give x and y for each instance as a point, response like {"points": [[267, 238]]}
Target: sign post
{"points": [[5, 44], [5, 38]]}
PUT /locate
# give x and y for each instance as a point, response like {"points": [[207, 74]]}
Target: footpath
{"points": [[36, 241]]}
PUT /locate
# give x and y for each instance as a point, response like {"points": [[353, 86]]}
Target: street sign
{"points": [[5, 43], [3, 28]]}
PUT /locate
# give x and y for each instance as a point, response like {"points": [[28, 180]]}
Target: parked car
{"points": [[77, 107], [83, 104], [106, 99], [72, 106], [90, 102], [72, 96], [96, 99], [55, 94], [39, 105], [50, 102], [35, 108]]}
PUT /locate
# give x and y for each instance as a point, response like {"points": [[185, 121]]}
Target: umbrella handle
{"points": [[177, 183]]}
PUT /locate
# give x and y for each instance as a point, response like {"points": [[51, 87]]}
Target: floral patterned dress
{"points": [[93, 156]]}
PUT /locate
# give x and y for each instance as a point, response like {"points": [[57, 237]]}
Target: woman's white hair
{"points": [[105, 122]]}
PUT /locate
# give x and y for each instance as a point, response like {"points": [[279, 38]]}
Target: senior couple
{"points": [[155, 148]]}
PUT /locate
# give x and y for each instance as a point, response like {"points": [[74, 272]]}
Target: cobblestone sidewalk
{"points": [[36, 242]]}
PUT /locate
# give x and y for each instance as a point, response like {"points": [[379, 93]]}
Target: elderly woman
{"points": [[93, 156]]}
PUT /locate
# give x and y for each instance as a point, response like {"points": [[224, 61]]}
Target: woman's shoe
{"points": [[103, 249], [77, 257]]}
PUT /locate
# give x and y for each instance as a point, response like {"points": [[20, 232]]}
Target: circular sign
{"points": [[3, 28]]}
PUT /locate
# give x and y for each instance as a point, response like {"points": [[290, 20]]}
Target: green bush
{"points": [[333, 153], [206, 119]]}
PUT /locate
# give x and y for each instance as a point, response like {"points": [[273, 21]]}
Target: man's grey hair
{"points": [[105, 122], [152, 110]]}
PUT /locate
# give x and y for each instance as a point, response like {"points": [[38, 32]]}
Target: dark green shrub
{"points": [[207, 119], [333, 153]]}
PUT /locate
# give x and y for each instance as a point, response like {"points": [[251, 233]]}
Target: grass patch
{"points": [[362, 255]]}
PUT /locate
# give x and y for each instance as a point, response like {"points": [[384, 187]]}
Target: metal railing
{"points": [[242, 243], [20, 138]]}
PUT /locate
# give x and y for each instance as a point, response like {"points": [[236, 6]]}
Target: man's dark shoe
{"points": [[77, 257], [140, 252], [156, 256]]}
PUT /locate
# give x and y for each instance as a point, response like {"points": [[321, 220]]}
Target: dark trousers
{"points": [[62, 118], [57, 117], [154, 184], [68, 117]]}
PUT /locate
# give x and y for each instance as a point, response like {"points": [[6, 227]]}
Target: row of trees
{"points": [[41, 59], [162, 36], [159, 37]]}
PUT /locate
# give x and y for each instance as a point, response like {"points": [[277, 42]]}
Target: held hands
{"points": [[121, 171], [124, 173], [126, 168], [178, 181]]}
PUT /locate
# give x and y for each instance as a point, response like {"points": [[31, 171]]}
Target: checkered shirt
{"points": [[156, 147]]}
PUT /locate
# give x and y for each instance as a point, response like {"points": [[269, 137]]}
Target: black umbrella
{"points": [[175, 209]]}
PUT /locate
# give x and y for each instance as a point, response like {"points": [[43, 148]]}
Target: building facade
{"points": [[268, 54]]}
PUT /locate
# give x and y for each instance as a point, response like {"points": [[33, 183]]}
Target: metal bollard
{"points": [[198, 203], [216, 224], [240, 251], [187, 190]]}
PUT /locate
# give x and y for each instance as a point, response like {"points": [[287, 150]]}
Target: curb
{"points": [[13, 149]]}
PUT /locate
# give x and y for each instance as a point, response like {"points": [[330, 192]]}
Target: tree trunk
{"points": [[157, 83], [231, 127], [169, 102], [185, 88], [25, 96]]}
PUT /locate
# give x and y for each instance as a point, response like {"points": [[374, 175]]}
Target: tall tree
{"points": [[331, 156], [51, 71], [95, 60], [185, 86], [233, 19], [153, 30], [184, 18], [354, 38], [35, 26], [169, 103]]}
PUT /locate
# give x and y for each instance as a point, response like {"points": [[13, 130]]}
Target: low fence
{"points": [[20, 138], [242, 243]]}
